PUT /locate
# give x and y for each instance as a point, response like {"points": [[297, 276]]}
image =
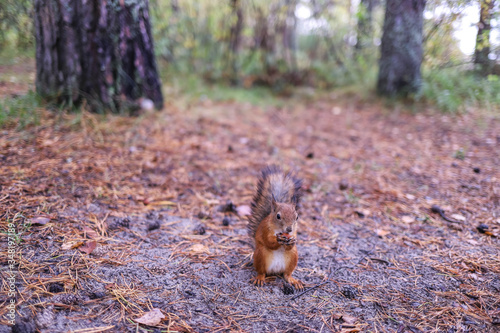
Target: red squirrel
{"points": [[273, 225]]}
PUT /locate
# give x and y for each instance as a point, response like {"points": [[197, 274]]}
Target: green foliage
{"points": [[16, 24], [193, 41], [459, 154], [195, 89], [454, 90], [20, 111], [275, 48]]}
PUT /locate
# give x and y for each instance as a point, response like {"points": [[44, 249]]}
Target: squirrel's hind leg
{"points": [[259, 280], [297, 284]]}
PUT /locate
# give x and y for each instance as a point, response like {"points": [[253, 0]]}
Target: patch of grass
{"points": [[454, 90], [459, 154], [21, 111], [195, 88], [20, 228], [351, 197], [11, 55]]}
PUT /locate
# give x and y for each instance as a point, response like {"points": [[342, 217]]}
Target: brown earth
{"points": [[119, 216]]}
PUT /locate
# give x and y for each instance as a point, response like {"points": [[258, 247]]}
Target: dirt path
{"points": [[123, 216]]}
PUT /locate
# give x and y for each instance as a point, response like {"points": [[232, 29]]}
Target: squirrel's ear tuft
{"points": [[273, 202]]}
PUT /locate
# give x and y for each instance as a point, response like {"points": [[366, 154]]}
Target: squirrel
{"points": [[273, 225]]}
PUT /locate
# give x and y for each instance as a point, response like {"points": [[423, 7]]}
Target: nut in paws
{"points": [[285, 239]]}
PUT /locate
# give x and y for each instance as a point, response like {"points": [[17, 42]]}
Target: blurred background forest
{"points": [[283, 44]]}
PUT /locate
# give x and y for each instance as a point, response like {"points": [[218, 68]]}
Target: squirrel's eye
{"points": [[297, 217], [278, 216]]}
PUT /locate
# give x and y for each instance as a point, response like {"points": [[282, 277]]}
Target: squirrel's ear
{"points": [[273, 202]]}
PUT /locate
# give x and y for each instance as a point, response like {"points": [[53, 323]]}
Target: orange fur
{"points": [[273, 225], [275, 249]]}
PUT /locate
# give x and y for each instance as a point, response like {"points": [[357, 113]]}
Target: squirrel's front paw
{"points": [[285, 239]]}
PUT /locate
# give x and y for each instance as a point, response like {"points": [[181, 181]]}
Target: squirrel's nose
{"points": [[288, 229]]}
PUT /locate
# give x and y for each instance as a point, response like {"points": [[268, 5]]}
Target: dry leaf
{"points": [[244, 210], [410, 196], [362, 212], [336, 315], [346, 318], [151, 318], [39, 220], [381, 232], [408, 219], [349, 319], [88, 247], [71, 245], [90, 232], [199, 248], [458, 217]]}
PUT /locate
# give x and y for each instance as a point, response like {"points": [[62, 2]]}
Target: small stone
{"points": [[229, 207], [25, 325], [153, 225], [343, 185], [225, 221], [482, 228], [200, 229], [476, 170], [56, 288], [203, 216], [310, 155], [97, 294]]}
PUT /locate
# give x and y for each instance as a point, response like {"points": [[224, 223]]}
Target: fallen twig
{"points": [[438, 210], [308, 290]]}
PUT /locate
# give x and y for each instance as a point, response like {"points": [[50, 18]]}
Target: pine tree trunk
{"points": [[401, 49], [98, 51], [482, 52], [235, 38]]}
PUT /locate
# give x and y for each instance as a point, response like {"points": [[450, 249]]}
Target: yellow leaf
{"points": [[162, 203], [199, 248], [71, 245]]}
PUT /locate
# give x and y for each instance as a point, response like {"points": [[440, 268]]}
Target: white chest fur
{"points": [[277, 264]]}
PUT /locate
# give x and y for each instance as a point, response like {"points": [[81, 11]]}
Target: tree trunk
{"points": [[235, 38], [482, 52], [401, 49], [98, 51], [290, 34]]}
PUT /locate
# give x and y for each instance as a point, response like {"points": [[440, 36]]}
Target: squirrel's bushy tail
{"points": [[285, 187]]}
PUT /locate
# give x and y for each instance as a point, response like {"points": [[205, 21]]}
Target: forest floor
{"points": [[127, 221]]}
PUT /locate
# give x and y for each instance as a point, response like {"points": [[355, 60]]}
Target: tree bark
{"points": [[235, 38], [482, 51], [98, 51], [401, 49]]}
